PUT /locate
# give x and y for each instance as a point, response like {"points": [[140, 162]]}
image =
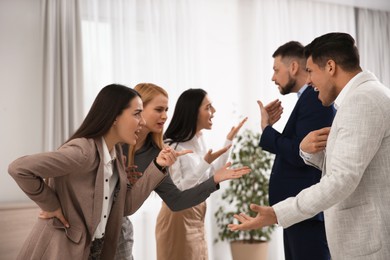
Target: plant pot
{"points": [[242, 250]]}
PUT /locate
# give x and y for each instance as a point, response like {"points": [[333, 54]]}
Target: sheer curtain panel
{"points": [[222, 46], [373, 40], [62, 76]]}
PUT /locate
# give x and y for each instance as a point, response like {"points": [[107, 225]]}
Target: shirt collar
{"points": [[343, 93], [108, 157], [299, 93]]}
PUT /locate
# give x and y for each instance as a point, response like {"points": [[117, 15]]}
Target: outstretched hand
{"points": [[54, 214], [233, 132], [168, 156], [225, 173], [210, 156], [265, 217]]}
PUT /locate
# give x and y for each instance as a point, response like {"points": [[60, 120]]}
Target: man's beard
{"points": [[289, 86]]}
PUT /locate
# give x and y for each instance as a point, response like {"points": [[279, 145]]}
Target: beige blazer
{"points": [[354, 191], [76, 185]]}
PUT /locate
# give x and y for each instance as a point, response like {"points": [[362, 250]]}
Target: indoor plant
{"points": [[251, 188]]}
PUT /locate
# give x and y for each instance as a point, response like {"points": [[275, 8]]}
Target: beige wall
{"points": [[20, 88]]}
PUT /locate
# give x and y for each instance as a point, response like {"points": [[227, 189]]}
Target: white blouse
{"points": [[110, 180], [191, 169]]}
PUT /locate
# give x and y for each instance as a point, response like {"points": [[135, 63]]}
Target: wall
{"points": [[20, 88]]}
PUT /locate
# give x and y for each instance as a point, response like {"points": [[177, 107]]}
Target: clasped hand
{"points": [[315, 141]]}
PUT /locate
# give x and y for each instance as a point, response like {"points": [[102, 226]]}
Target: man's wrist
{"points": [[304, 155], [275, 218]]}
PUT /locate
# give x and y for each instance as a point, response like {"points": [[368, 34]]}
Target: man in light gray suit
{"points": [[354, 155]]}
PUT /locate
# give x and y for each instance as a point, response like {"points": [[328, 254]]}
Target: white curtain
{"points": [[222, 46], [62, 73], [373, 40], [268, 24], [129, 41]]}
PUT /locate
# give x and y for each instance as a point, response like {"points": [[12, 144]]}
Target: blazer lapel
{"points": [[98, 193], [292, 119]]}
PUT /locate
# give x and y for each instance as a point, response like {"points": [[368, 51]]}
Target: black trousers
{"points": [[306, 241], [96, 249]]}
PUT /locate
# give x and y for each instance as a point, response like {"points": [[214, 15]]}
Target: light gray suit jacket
{"points": [[354, 191]]}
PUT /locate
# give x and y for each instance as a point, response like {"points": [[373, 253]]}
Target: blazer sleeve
{"points": [[179, 200], [140, 191], [308, 115], [357, 135], [29, 171]]}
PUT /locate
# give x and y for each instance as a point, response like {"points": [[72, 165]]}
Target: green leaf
{"points": [[251, 188]]}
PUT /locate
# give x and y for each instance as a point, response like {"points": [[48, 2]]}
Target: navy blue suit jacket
{"points": [[289, 173]]}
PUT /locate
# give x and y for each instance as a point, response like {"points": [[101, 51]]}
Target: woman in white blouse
{"points": [[180, 235]]}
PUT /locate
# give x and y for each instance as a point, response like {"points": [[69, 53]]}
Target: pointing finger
{"points": [[183, 152]]}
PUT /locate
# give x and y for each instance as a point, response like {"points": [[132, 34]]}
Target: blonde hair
{"points": [[148, 91]]}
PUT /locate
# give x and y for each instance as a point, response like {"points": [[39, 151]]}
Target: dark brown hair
{"points": [[339, 47], [108, 104]]}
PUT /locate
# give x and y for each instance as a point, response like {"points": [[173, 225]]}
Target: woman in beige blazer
{"points": [[87, 191]]}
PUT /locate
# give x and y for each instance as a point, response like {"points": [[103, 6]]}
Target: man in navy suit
{"points": [[290, 175]]}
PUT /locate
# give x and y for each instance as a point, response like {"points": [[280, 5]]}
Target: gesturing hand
{"points": [[54, 214], [233, 132], [315, 141], [210, 156], [168, 156], [225, 173], [274, 110], [271, 113], [265, 217]]}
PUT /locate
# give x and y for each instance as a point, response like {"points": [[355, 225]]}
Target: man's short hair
{"points": [[290, 49], [336, 46]]}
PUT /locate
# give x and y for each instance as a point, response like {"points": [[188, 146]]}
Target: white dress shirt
{"points": [[110, 181], [303, 88], [191, 169]]}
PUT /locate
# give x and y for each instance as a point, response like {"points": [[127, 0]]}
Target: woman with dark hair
{"points": [[87, 191], [149, 144], [185, 229]]}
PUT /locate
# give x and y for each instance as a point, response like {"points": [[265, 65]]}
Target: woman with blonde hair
{"points": [[87, 194], [149, 143]]}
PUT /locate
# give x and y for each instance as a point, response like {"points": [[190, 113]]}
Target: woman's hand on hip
{"points": [[54, 214]]}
